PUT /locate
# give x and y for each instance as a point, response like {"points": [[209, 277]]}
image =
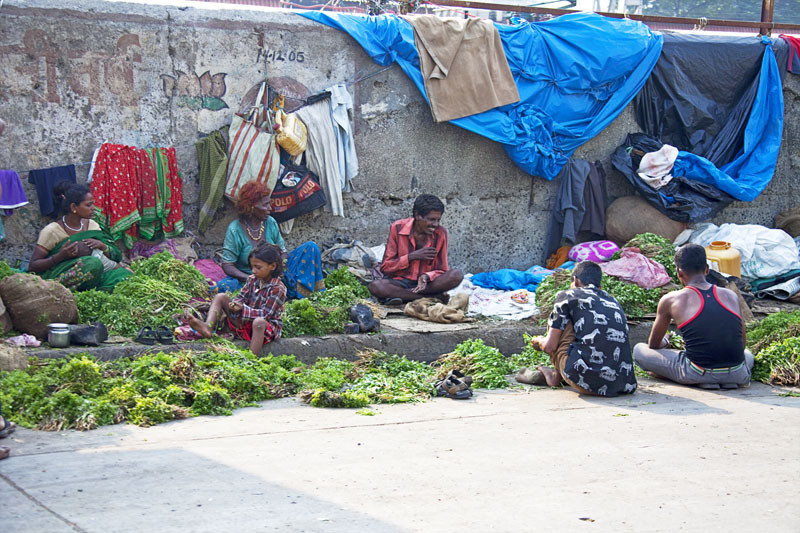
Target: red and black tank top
{"points": [[713, 335]]}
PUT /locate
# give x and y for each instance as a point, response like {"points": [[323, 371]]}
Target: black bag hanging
{"points": [[296, 193]]}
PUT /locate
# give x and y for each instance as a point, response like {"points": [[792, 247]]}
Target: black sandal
{"points": [[8, 427], [146, 335], [164, 335]]}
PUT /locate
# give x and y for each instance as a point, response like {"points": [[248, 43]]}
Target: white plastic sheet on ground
{"points": [[494, 302], [765, 252]]}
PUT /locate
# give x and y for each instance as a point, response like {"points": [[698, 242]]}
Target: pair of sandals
{"points": [[161, 334], [718, 386], [455, 386], [8, 429]]}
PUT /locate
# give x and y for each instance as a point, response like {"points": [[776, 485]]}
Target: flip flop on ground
{"points": [[8, 428]]}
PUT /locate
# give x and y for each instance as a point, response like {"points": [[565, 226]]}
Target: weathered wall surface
{"points": [[86, 72]]}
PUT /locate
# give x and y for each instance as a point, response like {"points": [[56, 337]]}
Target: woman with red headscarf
{"points": [[303, 271]]}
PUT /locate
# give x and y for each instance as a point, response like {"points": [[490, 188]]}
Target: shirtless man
{"points": [[707, 317], [415, 261]]}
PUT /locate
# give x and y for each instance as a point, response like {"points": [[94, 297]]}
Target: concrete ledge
{"points": [[505, 336]]}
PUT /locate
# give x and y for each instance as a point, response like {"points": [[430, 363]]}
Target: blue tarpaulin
{"points": [[574, 73], [507, 279], [751, 169]]}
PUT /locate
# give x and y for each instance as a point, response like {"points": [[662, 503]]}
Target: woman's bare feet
{"points": [[199, 326], [5, 451], [551, 375]]}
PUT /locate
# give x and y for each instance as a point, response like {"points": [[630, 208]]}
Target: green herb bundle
{"points": [[775, 343], [164, 267], [343, 277]]}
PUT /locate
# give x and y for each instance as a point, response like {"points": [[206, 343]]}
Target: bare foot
{"points": [[5, 451], [551, 375], [199, 326]]}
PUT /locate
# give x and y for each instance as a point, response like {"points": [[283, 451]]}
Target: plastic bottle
{"points": [[292, 134], [724, 258]]}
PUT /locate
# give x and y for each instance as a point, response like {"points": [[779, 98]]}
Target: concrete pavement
{"points": [[669, 458]]}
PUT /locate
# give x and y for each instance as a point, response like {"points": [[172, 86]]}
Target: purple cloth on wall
{"points": [[12, 195]]}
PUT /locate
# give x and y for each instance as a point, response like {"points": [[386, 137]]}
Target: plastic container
{"points": [[58, 335], [292, 134], [723, 257]]}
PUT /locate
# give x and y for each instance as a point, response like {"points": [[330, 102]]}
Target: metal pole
{"points": [[767, 10], [476, 4]]}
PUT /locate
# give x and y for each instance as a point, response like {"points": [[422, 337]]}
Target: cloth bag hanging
{"points": [[253, 154]]}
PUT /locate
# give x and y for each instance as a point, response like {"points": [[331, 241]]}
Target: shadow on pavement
{"points": [[165, 490]]}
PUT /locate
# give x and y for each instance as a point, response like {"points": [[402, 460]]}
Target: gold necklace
{"points": [[250, 233]]}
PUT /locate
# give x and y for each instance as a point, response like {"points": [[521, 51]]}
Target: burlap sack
{"points": [[12, 357], [433, 310], [5, 319], [33, 303], [789, 221], [628, 216]]}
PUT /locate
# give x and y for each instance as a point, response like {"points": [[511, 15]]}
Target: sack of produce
{"points": [[5, 319], [12, 357], [33, 303], [631, 215]]}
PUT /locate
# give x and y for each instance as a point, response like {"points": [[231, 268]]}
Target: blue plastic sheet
{"points": [[574, 73], [507, 279], [751, 170]]}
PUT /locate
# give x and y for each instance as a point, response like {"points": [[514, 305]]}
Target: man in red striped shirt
{"points": [[415, 261]]}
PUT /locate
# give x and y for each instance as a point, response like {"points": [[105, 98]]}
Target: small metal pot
{"points": [[58, 335]]}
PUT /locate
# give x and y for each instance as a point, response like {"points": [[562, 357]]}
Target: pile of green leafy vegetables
{"points": [[775, 343], [162, 286], [343, 277], [488, 367], [327, 311], [5, 270], [159, 289], [83, 393], [635, 301]]}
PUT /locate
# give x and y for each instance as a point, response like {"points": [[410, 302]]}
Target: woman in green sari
{"points": [[74, 251]]}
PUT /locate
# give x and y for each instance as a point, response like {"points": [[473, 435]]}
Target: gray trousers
{"points": [[673, 365]]}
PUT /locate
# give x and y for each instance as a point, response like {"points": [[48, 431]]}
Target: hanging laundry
{"points": [[342, 114], [570, 207], [44, 180], [146, 198], [212, 161], [168, 192], [575, 74], [12, 195], [463, 66], [115, 189], [655, 167], [793, 64], [173, 225], [322, 153]]}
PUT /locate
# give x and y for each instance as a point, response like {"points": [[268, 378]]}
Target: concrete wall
{"points": [[85, 72]]}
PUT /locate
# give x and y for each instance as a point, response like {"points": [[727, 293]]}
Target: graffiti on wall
{"points": [[86, 73], [196, 92]]}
